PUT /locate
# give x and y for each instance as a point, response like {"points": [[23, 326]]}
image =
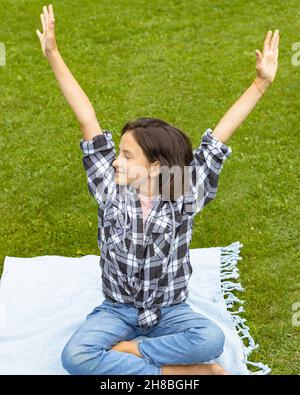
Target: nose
{"points": [[116, 166], [115, 163]]}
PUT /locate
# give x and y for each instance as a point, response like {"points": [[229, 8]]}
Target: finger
{"points": [[45, 11], [39, 34], [51, 12], [258, 55], [267, 41], [43, 22], [274, 39], [51, 20], [277, 51], [277, 42]]}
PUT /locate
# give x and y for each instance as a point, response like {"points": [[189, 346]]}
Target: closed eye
{"points": [[126, 152], [126, 156]]}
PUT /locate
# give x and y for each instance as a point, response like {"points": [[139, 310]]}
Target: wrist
{"points": [[52, 54], [262, 84]]}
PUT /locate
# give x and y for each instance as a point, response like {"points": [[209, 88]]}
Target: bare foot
{"points": [[219, 370], [130, 346], [121, 347], [197, 369]]}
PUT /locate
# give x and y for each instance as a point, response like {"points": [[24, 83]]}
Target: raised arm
{"points": [[70, 88], [97, 145], [266, 67]]}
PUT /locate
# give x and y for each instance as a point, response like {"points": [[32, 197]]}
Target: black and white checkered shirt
{"points": [[148, 267]]}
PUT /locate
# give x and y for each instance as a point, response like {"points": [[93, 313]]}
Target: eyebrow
{"points": [[125, 150]]}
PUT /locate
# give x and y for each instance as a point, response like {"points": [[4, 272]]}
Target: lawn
{"points": [[185, 62]]}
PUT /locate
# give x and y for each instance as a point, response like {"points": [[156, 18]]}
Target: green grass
{"points": [[186, 62]]}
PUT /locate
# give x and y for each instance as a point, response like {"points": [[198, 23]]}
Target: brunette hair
{"points": [[166, 144]]}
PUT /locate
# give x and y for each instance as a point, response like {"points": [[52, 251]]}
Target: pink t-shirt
{"points": [[146, 203]]}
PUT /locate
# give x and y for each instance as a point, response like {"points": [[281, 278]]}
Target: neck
{"points": [[147, 189]]}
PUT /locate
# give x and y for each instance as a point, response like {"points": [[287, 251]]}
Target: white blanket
{"points": [[45, 298]]}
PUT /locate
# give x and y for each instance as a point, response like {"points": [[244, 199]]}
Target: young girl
{"points": [[145, 229]]}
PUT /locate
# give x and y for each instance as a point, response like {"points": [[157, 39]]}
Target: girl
{"points": [[145, 229]]}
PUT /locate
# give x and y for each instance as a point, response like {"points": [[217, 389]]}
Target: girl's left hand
{"points": [[267, 62]]}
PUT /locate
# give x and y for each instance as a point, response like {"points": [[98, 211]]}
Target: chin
{"points": [[118, 180]]}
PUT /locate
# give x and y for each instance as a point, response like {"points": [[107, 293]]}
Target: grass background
{"points": [[185, 62]]}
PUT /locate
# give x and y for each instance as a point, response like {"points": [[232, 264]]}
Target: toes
{"points": [[218, 370]]}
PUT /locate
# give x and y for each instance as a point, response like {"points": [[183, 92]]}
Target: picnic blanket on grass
{"points": [[43, 299]]}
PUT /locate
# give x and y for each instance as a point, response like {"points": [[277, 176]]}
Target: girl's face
{"points": [[131, 165]]}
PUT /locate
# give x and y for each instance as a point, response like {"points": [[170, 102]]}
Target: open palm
{"points": [[47, 38], [267, 62]]}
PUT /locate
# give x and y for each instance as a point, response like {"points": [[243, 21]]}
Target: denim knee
{"points": [[217, 338], [69, 360], [209, 342], [78, 360]]}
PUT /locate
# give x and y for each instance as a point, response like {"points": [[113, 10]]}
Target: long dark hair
{"points": [[166, 144]]}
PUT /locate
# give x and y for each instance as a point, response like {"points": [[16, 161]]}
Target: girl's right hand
{"points": [[47, 38]]}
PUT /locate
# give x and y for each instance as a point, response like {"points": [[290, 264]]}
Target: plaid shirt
{"points": [[149, 266]]}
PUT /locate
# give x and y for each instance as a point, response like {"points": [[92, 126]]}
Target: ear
{"points": [[154, 169]]}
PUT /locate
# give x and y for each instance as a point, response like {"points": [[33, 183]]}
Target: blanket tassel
{"points": [[230, 255]]}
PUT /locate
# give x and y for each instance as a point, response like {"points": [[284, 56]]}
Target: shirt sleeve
{"points": [[98, 156], [205, 169]]}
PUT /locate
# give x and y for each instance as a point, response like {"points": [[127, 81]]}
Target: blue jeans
{"points": [[181, 337]]}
